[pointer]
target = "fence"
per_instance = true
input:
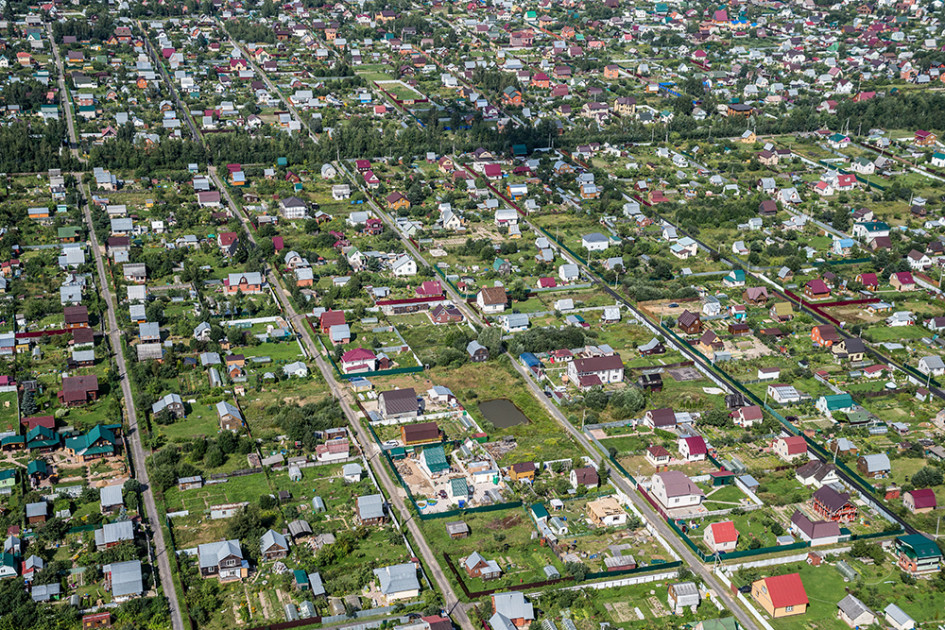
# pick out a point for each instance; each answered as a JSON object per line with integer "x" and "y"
{"x": 482, "y": 509}
{"x": 515, "y": 587}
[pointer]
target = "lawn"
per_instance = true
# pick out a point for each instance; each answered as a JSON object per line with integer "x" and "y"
{"x": 234, "y": 490}
{"x": 504, "y": 536}
{"x": 877, "y": 587}
{"x": 541, "y": 439}
{"x": 9, "y": 416}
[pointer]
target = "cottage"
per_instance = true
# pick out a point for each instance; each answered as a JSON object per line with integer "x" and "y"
{"x": 673, "y": 489}
{"x": 781, "y": 596}
{"x": 721, "y": 537}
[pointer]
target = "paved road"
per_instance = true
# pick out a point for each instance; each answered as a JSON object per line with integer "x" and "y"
{"x": 66, "y": 103}
{"x": 134, "y": 435}
{"x": 452, "y": 603}
{"x": 694, "y": 563}
{"x": 470, "y": 313}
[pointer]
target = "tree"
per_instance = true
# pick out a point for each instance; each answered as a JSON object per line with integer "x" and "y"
{"x": 927, "y": 477}
{"x": 214, "y": 457}
{"x": 577, "y": 570}
{"x": 28, "y": 404}
{"x": 491, "y": 339}
{"x": 715, "y": 418}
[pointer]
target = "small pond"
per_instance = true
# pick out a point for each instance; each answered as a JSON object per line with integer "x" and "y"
{"x": 502, "y": 413}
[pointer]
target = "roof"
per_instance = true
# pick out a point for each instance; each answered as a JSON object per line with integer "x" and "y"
{"x": 370, "y": 506}
{"x": 422, "y": 432}
{"x": 110, "y": 495}
{"x": 831, "y": 499}
{"x": 923, "y": 498}
{"x": 724, "y": 532}
{"x": 210, "y": 554}
{"x": 112, "y": 533}
{"x": 786, "y": 590}
{"x": 852, "y": 607}
{"x": 492, "y": 296}
{"x": 677, "y": 484}
{"x": 397, "y": 578}
{"x": 513, "y": 606}
{"x": 696, "y": 445}
{"x": 272, "y": 539}
{"x": 126, "y": 577}
{"x": 876, "y": 463}
{"x": 398, "y": 401}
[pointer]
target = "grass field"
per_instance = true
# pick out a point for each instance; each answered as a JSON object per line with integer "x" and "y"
{"x": 9, "y": 417}
{"x": 877, "y": 587}
{"x": 541, "y": 439}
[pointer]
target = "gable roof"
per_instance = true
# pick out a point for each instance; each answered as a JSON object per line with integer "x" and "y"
{"x": 786, "y": 590}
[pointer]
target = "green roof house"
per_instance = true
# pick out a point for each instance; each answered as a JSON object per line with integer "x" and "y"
{"x": 100, "y": 441}
{"x": 8, "y": 478}
{"x": 918, "y": 555}
{"x": 433, "y": 461}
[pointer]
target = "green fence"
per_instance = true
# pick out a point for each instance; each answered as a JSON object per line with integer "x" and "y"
{"x": 79, "y": 529}
{"x": 831, "y": 263}
{"x": 438, "y": 515}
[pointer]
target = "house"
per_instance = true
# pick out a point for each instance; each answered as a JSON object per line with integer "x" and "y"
{"x": 595, "y": 242}
{"x": 852, "y": 349}
{"x": 522, "y": 471}
{"x": 477, "y": 352}
{"x": 902, "y": 281}
{"x": 398, "y": 405}
{"x": 854, "y": 613}
{"x": 932, "y": 365}
{"x": 690, "y": 323}
{"x": 222, "y": 559}
{"x": 673, "y": 489}
{"x": 371, "y": 510}
{"x": 918, "y": 555}
{"x": 824, "y": 335}
{"x": 273, "y": 546}
{"x": 398, "y": 582}
{"x": 816, "y": 473}
{"x": 110, "y": 499}
{"x": 657, "y": 455}
{"x": 247, "y": 282}
{"x": 492, "y": 300}
{"x": 598, "y": 370}
{"x": 790, "y": 448}
{"x": 874, "y": 466}
{"x": 100, "y": 441}
{"x": 781, "y": 595}
{"x": 831, "y": 403}
{"x": 293, "y": 208}
{"x": 721, "y": 537}
{"x": 510, "y": 611}
{"x": 897, "y": 618}
{"x": 747, "y": 416}
{"x": 37, "y": 512}
{"x": 477, "y": 566}
{"x": 123, "y": 579}
{"x": 832, "y": 505}
{"x": 681, "y": 596}
{"x": 662, "y": 418}
{"x": 229, "y": 416}
{"x": 815, "y": 532}
{"x": 585, "y": 476}
{"x": 920, "y": 501}
{"x": 606, "y": 512}
{"x": 816, "y": 289}
{"x": 692, "y": 449}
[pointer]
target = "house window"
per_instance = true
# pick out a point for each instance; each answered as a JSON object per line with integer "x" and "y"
{"x": 789, "y": 609}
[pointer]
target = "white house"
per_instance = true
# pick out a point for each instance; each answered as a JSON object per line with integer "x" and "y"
{"x": 404, "y": 266}
{"x": 595, "y": 242}
{"x": 721, "y": 537}
{"x": 673, "y": 489}
{"x": 596, "y": 370}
